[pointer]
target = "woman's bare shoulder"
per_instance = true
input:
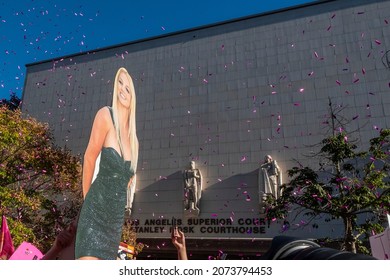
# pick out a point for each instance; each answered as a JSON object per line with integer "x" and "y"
{"x": 103, "y": 113}
{"x": 103, "y": 118}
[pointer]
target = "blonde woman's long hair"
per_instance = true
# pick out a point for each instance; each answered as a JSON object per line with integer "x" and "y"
{"x": 132, "y": 125}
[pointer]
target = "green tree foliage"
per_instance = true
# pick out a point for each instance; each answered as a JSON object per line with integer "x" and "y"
{"x": 348, "y": 185}
{"x": 39, "y": 182}
{"x": 12, "y": 103}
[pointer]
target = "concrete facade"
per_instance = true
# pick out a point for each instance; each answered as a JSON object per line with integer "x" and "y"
{"x": 225, "y": 96}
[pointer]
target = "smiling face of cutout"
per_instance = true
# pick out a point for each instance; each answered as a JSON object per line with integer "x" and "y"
{"x": 124, "y": 94}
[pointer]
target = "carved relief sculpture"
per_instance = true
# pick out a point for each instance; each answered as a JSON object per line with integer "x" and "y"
{"x": 270, "y": 180}
{"x": 192, "y": 189}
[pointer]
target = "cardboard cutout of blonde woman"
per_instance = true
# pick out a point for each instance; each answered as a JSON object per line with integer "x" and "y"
{"x": 270, "y": 180}
{"x": 192, "y": 190}
{"x": 114, "y": 140}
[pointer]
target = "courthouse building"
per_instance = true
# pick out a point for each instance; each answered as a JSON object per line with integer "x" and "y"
{"x": 224, "y": 96}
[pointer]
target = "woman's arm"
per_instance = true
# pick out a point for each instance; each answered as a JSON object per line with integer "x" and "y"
{"x": 62, "y": 241}
{"x": 99, "y": 131}
{"x": 179, "y": 241}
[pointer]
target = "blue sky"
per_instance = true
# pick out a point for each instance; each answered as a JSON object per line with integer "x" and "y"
{"x": 36, "y": 30}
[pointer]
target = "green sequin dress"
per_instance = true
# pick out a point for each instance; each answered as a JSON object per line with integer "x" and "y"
{"x": 101, "y": 219}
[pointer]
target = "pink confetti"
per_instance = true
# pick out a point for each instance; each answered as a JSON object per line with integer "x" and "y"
{"x": 363, "y": 71}
{"x": 297, "y": 104}
{"x": 346, "y": 60}
{"x": 311, "y": 73}
{"x": 205, "y": 81}
{"x": 338, "y": 82}
{"x": 316, "y": 54}
{"x": 386, "y": 21}
{"x": 355, "y": 117}
{"x": 355, "y": 81}
{"x": 333, "y": 16}
{"x": 243, "y": 158}
{"x": 301, "y": 90}
{"x": 223, "y": 47}
{"x": 378, "y": 42}
{"x": 330, "y": 26}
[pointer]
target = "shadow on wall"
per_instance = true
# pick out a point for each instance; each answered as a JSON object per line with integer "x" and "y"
{"x": 161, "y": 198}
{"x": 164, "y": 198}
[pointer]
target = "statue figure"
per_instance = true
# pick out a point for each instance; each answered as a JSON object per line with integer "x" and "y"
{"x": 192, "y": 188}
{"x": 270, "y": 180}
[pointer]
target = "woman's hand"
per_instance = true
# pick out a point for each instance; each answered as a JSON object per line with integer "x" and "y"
{"x": 179, "y": 241}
